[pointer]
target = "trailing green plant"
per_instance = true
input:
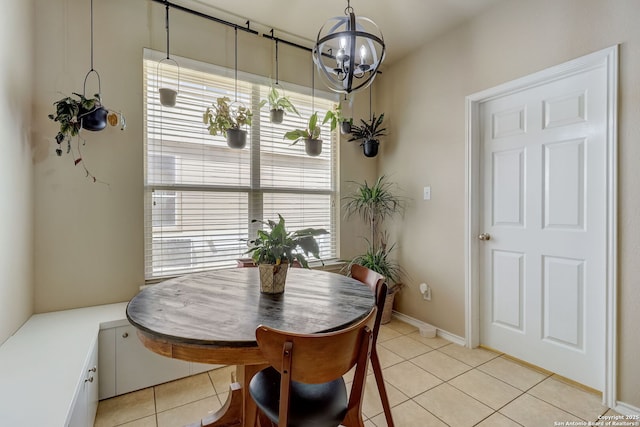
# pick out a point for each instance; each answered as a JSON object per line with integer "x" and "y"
{"x": 370, "y": 130}
{"x": 335, "y": 117}
{"x": 68, "y": 111}
{"x": 222, "y": 116}
{"x": 311, "y": 132}
{"x": 276, "y": 245}
{"x": 277, "y": 102}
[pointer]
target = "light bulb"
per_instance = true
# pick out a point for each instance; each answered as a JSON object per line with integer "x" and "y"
{"x": 363, "y": 54}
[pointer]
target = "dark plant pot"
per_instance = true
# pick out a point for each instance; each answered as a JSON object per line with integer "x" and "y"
{"x": 276, "y": 116}
{"x": 236, "y": 138}
{"x": 313, "y": 147}
{"x": 370, "y": 147}
{"x": 345, "y": 128}
{"x": 95, "y": 119}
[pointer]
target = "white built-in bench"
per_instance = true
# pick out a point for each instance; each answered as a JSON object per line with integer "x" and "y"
{"x": 44, "y": 365}
{"x": 57, "y": 365}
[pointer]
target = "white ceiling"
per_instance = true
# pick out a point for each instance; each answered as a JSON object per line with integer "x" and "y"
{"x": 405, "y": 24}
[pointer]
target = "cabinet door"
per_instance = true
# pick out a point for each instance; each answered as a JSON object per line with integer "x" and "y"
{"x": 107, "y": 362}
{"x": 79, "y": 413}
{"x": 92, "y": 386}
{"x": 86, "y": 404}
{"x": 137, "y": 367}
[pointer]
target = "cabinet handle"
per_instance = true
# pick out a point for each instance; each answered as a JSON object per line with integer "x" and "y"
{"x": 90, "y": 379}
{"x": 125, "y": 335}
{"x": 93, "y": 369}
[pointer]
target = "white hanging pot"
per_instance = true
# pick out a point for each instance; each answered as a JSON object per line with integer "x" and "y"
{"x": 168, "y": 95}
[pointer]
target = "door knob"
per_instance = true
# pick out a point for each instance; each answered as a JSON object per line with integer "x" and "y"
{"x": 484, "y": 236}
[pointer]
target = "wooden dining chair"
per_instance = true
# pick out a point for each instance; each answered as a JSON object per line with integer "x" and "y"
{"x": 304, "y": 386}
{"x": 375, "y": 282}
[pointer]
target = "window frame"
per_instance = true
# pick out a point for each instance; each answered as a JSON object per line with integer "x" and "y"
{"x": 255, "y": 191}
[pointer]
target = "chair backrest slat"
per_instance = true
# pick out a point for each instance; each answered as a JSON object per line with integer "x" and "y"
{"x": 375, "y": 282}
{"x": 317, "y": 358}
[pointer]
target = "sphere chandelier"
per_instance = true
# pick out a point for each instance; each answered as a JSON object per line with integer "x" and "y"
{"x": 348, "y": 52}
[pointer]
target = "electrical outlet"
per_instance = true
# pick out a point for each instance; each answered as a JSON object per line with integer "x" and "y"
{"x": 425, "y": 290}
{"x": 426, "y": 193}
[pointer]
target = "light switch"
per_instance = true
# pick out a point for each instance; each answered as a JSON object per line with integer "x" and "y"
{"x": 427, "y": 193}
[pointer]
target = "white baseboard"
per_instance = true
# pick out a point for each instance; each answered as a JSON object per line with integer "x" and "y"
{"x": 626, "y": 409}
{"x": 425, "y": 326}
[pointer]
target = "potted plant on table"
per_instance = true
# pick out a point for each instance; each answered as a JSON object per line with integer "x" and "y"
{"x": 278, "y": 105}
{"x": 310, "y": 136}
{"x": 229, "y": 119}
{"x": 369, "y": 132}
{"x": 374, "y": 204}
{"x": 275, "y": 249}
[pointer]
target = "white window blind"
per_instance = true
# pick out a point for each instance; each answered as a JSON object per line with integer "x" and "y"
{"x": 200, "y": 195}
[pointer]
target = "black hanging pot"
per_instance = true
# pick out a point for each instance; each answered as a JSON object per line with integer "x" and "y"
{"x": 277, "y": 116}
{"x": 370, "y": 147}
{"x": 236, "y": 138}
{"x": 345, "y": 128}
{"x": 96, "y": 118}
{"x": 313, "y": 146}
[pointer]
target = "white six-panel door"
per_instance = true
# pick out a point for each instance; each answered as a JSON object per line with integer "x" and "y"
{"x": 542, "y": 256}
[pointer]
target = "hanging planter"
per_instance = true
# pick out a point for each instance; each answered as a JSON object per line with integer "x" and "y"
{"x": 278, "y": 105}
{"x": 310, "y": 136}
{"x": 236, "y": 138}
{"x": 313, "y": 146}
{"x": 369, "y": 133}
{"x": 335, "y": 117}
{"x": 92, "y": 115}
{"x": 345, "y": 127}
{"x": 168, "y": 95}
{"x": 370, "y": 147}
{"x": 228, "y": 119}
{"x": 77, "y": 112}
{"x": 276, "y": 116}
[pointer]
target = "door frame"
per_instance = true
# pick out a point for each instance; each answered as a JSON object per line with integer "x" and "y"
{"x": 607, "y": 58}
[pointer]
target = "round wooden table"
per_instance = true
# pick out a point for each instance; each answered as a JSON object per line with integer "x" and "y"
{"x": 211, "y": 317}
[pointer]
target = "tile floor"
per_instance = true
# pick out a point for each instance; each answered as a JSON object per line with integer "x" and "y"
{"x": 430, "y": 382}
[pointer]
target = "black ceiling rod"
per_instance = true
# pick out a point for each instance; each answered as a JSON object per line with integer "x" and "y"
{"x": 278, "y": 39}
{"x": 209, "y": 17}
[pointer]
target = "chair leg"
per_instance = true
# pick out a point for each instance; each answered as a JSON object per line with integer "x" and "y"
{"x": 382, "y": 390}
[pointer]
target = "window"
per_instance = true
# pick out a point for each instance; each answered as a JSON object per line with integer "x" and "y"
{"x": 201, "y": 196}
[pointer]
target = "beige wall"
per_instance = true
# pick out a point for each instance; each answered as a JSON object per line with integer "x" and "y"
{"x": 424, "y": 96}
{"x": 16, "y": 171}
{"x": 89, "y": 237}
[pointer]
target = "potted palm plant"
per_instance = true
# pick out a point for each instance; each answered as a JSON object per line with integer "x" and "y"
{"x": 369, "y": 132}
{"x": 228, "y": 119}
{"x": 275, "y": 249}
{"x": 278, "y": 104}
{"x": 310, "y": 136}
{"x": 374, "y": 204}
